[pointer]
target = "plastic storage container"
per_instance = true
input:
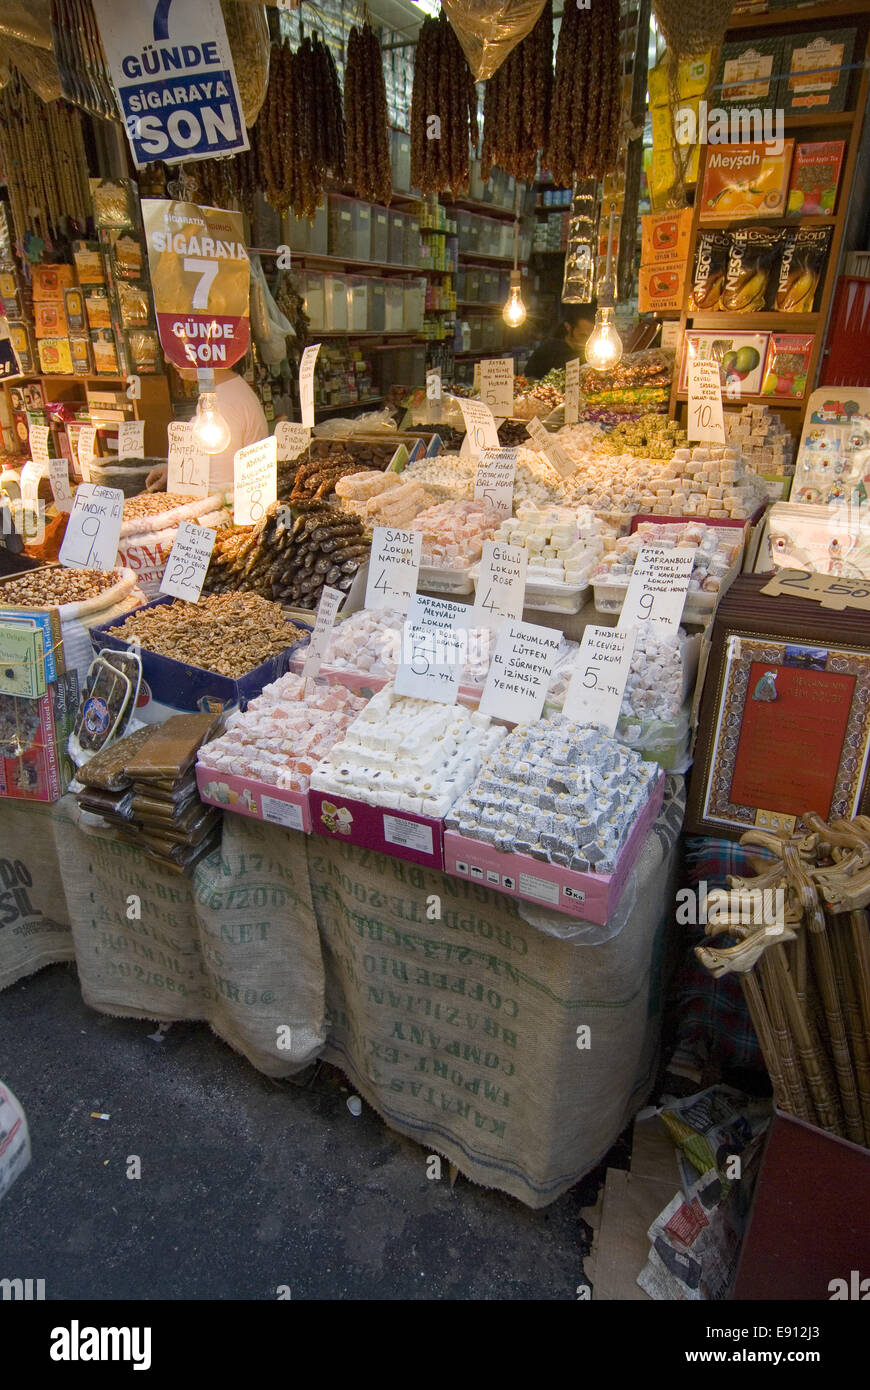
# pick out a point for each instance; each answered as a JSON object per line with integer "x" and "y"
{"x": 394, "y": 306}
{"x": 400, "y": 158}
{"x": 397, "y": 238}
{"x": 335, "y": 302}
{"x": 358, "y": 303}
{"x": 380, "y": 238}
{"x": 350, "y": 228}
{"x": 302, "y": 235}
{"x": 411, "y": 242}
{"x": 415, "y": 305}
{"x": 377, "y": 306}
{"x": 314, "y": 300}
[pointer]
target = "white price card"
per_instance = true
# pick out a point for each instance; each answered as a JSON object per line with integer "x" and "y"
{"x": 658, "y": 586}
{"x": 495, "y": 477}
{"x": 39, "y": 435}
{"x": 572, "y": 391}
{"x": 58, "y": 477}
{"x": 255, "y": 480}
{"x": 292, "y": 439}
{"x": 306, "y": 384}
{"x": 131, "y": 439}
{"x": 393, "y": 568}
{"x": 600, "y": 672}
{"x": 501, "y": 585}
{"x": 327, "y": 608}
{"x": 497, "y": 385}
{"x": 434, "y": 650}
{"x": 188, "y": 561}
{"x": 521, "y": 670}
{"x": 481, "y": 432}
{"x": 433, "y": 386}
{"x": 705, "y": 402}
{"x": 93, "y": 529}
{"x": 189, "y": 468}
{"x": 548, "y": 444}
{"x": 85, "y": 449}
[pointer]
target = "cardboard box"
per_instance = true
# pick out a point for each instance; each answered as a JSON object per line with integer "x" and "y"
{"x": 592, "y": 897}
{"x": 665, "y": 238}
{"x": 748, "y": 73}
{"x": 717, "y": 345}
{"x": 824, "y": 57}
{"x": 815, "y": 177}
{"x": 745, "y": 181}
{"x": 259, "y": 800}
{"x": 187, "y": 689}
{"x": 42, "y": 770}
{"x": 660, "y": 287}
{"x": 382, "y": 828}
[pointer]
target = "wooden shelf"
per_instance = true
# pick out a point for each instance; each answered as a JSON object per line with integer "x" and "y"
{"x": 780, "y": 402}
{"x": 797, "y": 15}
{"x": 750, "y": 322}
{"x": 351, "y": 405}
{"x": 315, "y": 259}
{"x": 818, "y": 118}
{"x": 708, "y": 223}
{"x": 487, "y": 209}
{"x": 363, "y": 333}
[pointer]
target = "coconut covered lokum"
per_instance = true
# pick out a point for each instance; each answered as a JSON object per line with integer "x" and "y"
{"x": 563, "y": 543}
{"x": 413, "y": 755}
{"x": 559, "y": 791}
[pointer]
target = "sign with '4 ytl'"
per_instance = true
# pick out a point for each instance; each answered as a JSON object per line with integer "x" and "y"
{"x": 173, "y": 72}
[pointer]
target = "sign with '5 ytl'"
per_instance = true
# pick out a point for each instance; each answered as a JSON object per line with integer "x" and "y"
{"x": 200, "y": 275}
{"x": 173, "y": 73}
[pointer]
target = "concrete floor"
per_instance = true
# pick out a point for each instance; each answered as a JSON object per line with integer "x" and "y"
{"x": 247, "y": 1184}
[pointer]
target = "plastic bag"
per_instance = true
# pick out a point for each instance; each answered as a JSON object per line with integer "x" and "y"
{"x": 489, "y": 29}
{"x": 375, "y": 422}
{"x": 269, "y": 326}
{"x": 248, "y": 33}
{"x": 37, "y": 67}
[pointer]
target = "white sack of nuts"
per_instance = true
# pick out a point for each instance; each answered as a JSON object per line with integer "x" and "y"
{"x": 150, "y": 526}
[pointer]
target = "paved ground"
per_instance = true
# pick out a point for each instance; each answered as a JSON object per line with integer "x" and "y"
{"x": 246, "y": 1184}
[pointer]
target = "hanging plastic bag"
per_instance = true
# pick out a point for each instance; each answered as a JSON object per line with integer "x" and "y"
{"x": 489, "y": 29}
{"x": 269, "y": 326}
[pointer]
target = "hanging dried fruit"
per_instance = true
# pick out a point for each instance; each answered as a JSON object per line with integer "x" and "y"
{"x": 365, "y": 116}
{"x": 443, "y": 111}
{"x": 586, "y": 108}
{"x": 516, "y": 106}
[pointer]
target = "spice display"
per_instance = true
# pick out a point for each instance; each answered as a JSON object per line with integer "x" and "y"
{"x": 290, "y": 558}
{"x": 49, "y": 588}
{"x": 558, "y": 551}
{"x": 229, "y": 634}
{"x": 411, "y": 754}
{"x": 283, "y": 733}
{"x": 587, "y": 94}
{"x": 454, "y": 532}
{"x": 443, "y": 90}
{"x": 369, "y": 172}
{"x": 561, "y": 792}
{"x": 516, "y": 106}
{"x": 43, "y": 157}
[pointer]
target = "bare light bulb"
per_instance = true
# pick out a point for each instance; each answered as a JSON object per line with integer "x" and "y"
{"x": 604, "y": 345}
{"x": 210, "y": 432}
{"x": 514, "y": 311}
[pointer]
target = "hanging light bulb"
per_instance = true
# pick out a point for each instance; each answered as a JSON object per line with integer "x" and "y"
{"x": 210, "y": 432}
{"x": 604, "y": 345}
{"x": 514, "y": 311}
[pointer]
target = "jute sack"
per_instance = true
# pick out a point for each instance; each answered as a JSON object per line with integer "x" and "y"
{"x": 462, "y": 1031}
{"x": 34, "y": 922}
{"x": 237, "y": 945}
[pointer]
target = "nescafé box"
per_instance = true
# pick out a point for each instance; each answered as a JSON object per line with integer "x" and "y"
{"x": 383, "y": 828}
{"x": 183, "y": 689}
{"x": 592, "y": 897}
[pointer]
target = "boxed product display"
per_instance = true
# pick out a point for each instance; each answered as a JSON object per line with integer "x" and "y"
{"x": 815, "y": 177}
{"x": 34, "y": 764}
{"x": 815, "y": 71}
{"x": 787, "y": 365}
{"x": 396, "y": 773}
{"x": 557, "y": 815}
{"x": 743, "y": 181}
{"x": 261, "y": 766}
{"x": 741, "y": 358}
{"x": 833, "y": 462}
{"x": 749, "y": 73}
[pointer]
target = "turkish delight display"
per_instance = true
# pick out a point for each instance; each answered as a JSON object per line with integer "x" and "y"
{"x": 454, "y": 532}
{"x": 370, "y": 644}
{"x": 446, "y": 477}
{"x": 562, "y": 792}
{"x": 283, "y": 733}
{"x": 412, "y": 755}
{"x": 717, "y": 554}
{"x": 563, "y": 543}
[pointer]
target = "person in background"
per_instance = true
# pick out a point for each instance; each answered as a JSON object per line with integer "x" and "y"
{"x": 241, "y": 409}
{"x": 567, "y": 341}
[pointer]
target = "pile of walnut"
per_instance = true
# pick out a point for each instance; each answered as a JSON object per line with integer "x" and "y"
{"x": 290, "y": 554}
{"x": 230, "y": 635}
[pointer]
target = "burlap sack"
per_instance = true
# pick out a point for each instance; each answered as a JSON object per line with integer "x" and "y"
{"x": 34, "y": 922}
{"x": 462, "y": 1031}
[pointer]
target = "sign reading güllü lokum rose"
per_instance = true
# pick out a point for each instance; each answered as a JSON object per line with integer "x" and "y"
{"x": 200, "y": 275}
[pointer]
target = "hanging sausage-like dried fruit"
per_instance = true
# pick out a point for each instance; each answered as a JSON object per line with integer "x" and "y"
{"x": 516, "y": 106}
{"x": 443, "y": 111}
{"x": 365, "y": 117}
{"x": 585, "y": 114}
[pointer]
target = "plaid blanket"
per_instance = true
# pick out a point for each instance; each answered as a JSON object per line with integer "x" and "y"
{"x": 713, "y": 1020}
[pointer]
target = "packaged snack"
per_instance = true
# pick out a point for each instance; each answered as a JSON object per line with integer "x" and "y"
{"x": 815, "y": 176}
{"x": 74, "y": 307}
{"x": 745, "y": 181}
{"x": 753, "y": 263}
{"x": 55, "y": 358}
{"x": 748, "y": 72}
{"x": 114, "y": 203}
{"x": 104, "y": 352}
{"x": 815, "y": 71}
{"x": 127, "y": 255}
{"x": 788, "y": 359}
{"x": 711, "y": 264}
{"x": 89, "y": 263}
{"x": 50, "y": 281}
{"x": 143, "y": 349}
{"x": 802, "y": 269}
{"x": 97, "y": 306}
{"x": 80, "y": 351}
{"x": 134, "y": 304}
{"x": 23, "y": 344}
